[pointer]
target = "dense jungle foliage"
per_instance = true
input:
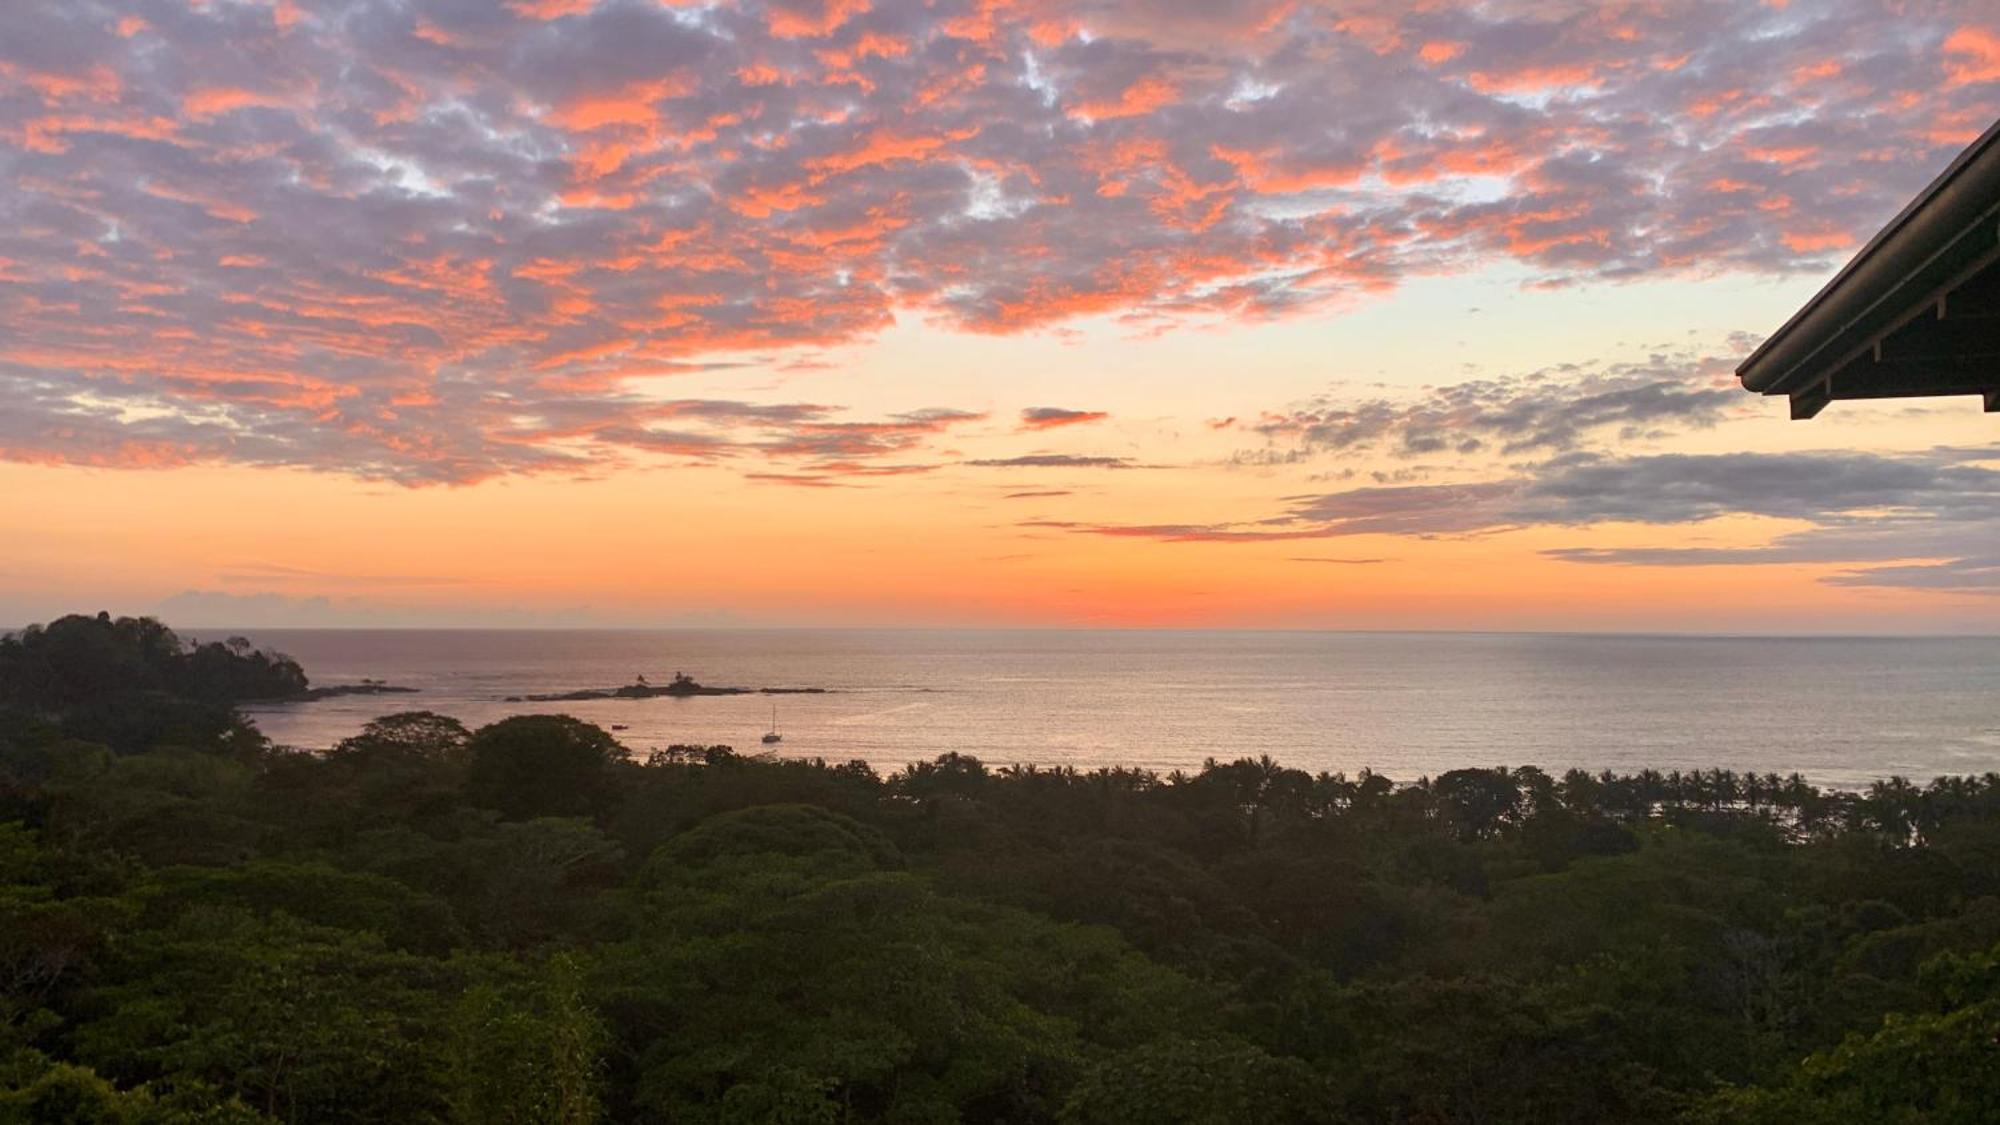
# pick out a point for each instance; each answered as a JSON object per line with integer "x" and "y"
{"x": 523, "y": 923}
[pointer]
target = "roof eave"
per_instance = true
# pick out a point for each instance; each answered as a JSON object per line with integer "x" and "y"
{"x": 1891, "y": 267}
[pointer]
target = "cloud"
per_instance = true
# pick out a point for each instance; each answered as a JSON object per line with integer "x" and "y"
{"x": 1959, "y": 571}
{"x": 840, "y": 443}
{"x": 1972, "y": 55}
{"x": 1978, "y": 575}
{"x": 270, "y": 573}
{"x": 219, "y": 609}
{"x": 798, "y": 480}
{"x": 1051, "y": 417}
{"x": 1054, "y": 461}
{"x": 1941, "y": 507}
{"x": 216, "y": 608}
{"x": 1553, "y": 410}
{"x": 1937, "y": 512}
{"x": 454, "y": 432}
{"x": 1684, "y": 488}
{"x": 1195, "y": 533}
{"x": 361, "y": 241}
{"x": 1417, "y": 509}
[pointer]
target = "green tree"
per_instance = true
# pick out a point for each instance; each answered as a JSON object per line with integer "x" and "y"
{"x": 776, "y": 970}
{"x": 1937, "y": 1067}
{"x": 37, "y": 1091}
{"x": 541, "y": 765}
{"x": 1212, "y": 1081}
{"x": 525, "y": 1048}
{"x": 303, "y": 1022}
{"x": 421, "y": 735}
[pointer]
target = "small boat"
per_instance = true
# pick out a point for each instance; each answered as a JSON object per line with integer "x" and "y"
{"x": 773, "y": 736}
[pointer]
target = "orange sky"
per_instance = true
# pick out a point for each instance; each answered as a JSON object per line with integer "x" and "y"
{"x": 998, "y": 312}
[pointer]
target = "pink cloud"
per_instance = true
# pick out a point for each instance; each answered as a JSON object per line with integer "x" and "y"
{"x": 557, "y": 200}
{"x": 795, "y": 19}
{"x": 1972, "y": 54}
{"x": 212, "y": 101}
{"x": 1143, "y": 96}
{"x": 550, "y": 9}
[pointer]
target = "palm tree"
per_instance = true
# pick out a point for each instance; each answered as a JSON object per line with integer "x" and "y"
{"x": 1651, "y": 788}
{"x": 1891, "y": 806}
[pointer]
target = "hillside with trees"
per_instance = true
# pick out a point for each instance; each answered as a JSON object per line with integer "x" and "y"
{"x": 527, "y": 923}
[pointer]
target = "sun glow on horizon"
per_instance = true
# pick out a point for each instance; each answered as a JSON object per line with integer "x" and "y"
{"x": 977, "y": 312}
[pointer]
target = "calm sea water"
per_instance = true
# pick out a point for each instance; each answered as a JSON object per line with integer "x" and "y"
{"x": 1841, "y": 711}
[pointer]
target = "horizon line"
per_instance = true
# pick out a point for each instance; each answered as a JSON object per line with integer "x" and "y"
{"x": 1634, "y": 634}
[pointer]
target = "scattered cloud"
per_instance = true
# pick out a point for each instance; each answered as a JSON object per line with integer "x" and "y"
{"x": 1977, "y": 575}
{"x": 1935, "y": 513}
{"x": 1553, "y": 410}
{"x": 1055, "y": 461}
{"x": 203, "y": 610}
{"x": 1835, "y": 488}
{"x": 798, "y": 480}
{"x": 216, "y": 608}
{"x": 271, "y": 574}
{"x": 1051, "y": 417}
{"x": 426, "y": 241}
{"x": 456, "y": 432}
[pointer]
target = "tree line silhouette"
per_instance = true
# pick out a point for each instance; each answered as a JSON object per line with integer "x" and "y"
{"x": 528, "y": 922}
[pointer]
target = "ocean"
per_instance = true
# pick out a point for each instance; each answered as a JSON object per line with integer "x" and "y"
{"x": 1841, "y": 711}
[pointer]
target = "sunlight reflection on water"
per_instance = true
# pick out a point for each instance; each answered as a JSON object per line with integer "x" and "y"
{"x": 1842, "y": 710}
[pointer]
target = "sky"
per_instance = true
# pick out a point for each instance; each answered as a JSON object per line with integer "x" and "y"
{"x": 1395, "y": 314}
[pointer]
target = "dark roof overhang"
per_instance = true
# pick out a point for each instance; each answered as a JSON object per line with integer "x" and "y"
{"x": 1917, "y": 312}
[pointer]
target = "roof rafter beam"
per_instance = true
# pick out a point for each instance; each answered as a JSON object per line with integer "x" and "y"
{"x": 1913, "y": 313}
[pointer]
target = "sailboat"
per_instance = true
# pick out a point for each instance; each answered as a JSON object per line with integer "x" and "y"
{"x": 773, "y": 736}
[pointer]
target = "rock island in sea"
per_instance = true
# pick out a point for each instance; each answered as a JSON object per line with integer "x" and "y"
{"x": 681, "y": 685}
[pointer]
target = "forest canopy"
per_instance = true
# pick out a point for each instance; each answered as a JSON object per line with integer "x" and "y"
{"x": 131, "y": 682}
{"x": 528, "y": 922}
